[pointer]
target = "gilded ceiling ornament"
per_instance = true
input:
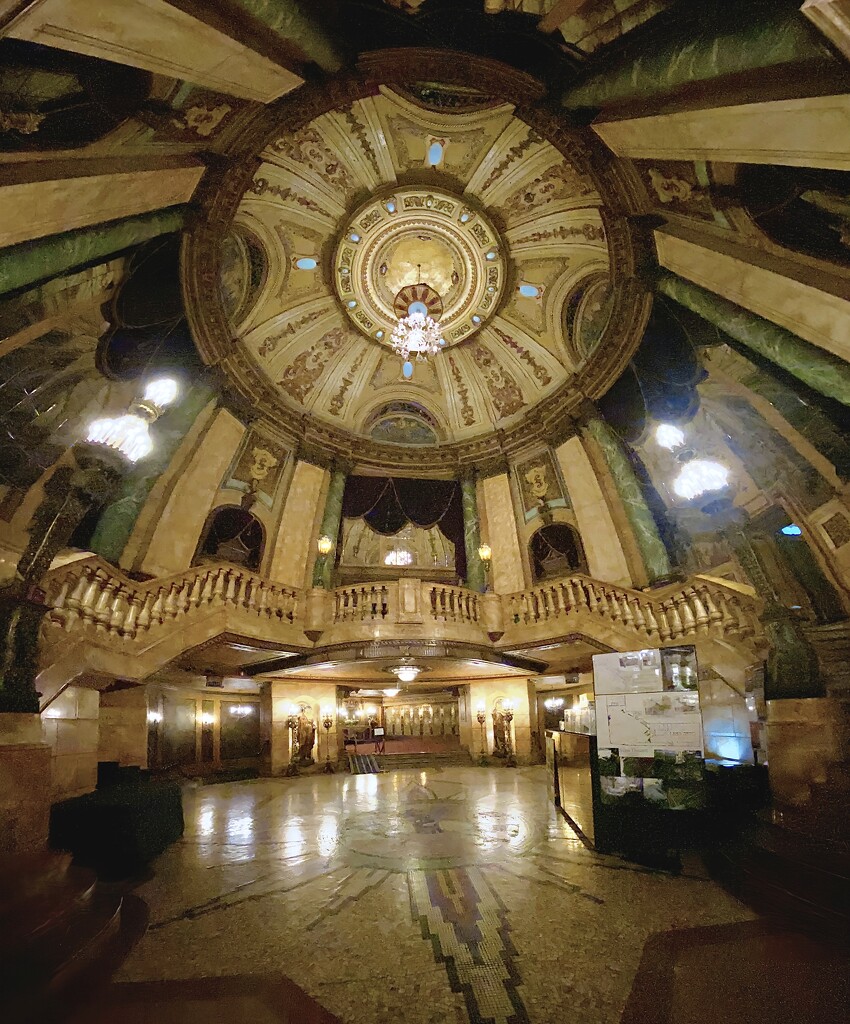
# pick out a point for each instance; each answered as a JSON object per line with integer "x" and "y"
{"x": 202, "y": 120}
{"x": 23, "y": 122}
{"x": 262, "y": 462}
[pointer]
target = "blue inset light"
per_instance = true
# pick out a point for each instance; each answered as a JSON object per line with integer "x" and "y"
{"x": 529, "y": 291}
{"x": 306, "y": 263}
{"x": 792, "y": 530}
{"x": 417, "y": 307}
{"x": 390, "y": 207}
{"x": 354, "y": 237}
{"x": 407, "y": 369}
{"x": 435, "y": 153}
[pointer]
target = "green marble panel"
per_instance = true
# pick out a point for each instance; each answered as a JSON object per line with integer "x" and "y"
{"x": 651, "y": 547}
{"x": 289, "y": 21}
{"x": 701, "y": 49}
{"x": 821, "y": 370}
{"x": 323, "y": 566}
{"x": 44, "y": 258}
{"x": 475, "y": 575}
{"x": 119, "y": 517}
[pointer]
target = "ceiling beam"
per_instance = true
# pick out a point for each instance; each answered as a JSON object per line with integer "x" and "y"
{"x": 562, "y": 10}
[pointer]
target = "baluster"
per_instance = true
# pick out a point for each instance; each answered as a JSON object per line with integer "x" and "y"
{"x": 58, "y": 612}
{"x": 574, "y": 595}
{"x": 652, "y": 625}
{"x": 626, "y": 612}
{"x": 700, "y": 611}
{"x": 219, "y": 586}
{"x": 135, "y": 604}
{"x": 103, "y": 609}
{"x": 638, "y": 619}
{"x": 184, "y": 593}
{"x": 120, "y": 611}
{"x": 683, "y": 606}
{"x": 91, "y": 595}
{"x": 524, "y": 607}
{"x": 744, "y": 625}
{"x": 262, "y": 600}
{"x": 613, "y": 605}
{"x": 196, "y": 590}
{"x": 385, "y": 601}
{"x": 677, "y": 628}
{"x": 663, "y": 623}
{"x": 560, "y": 592}
{"x": 230, "y": 592}
{"x": 729, "y": 622}
{"x": 169, "y": 608}
{"x": 207, "y": 588}
{"x": 373, "y": 602}
{"x": 714, "y": 613}
{"x": 75, "y": 600}
{"x": 592, "y": 600}
{"x": 157, "y": 608}
{"x": 144, "y": 621}
{"x": 548, "y": 603}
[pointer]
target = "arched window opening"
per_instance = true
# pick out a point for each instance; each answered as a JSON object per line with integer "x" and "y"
{"x": 556, "y": 550}
{"x": 234, "y": 535}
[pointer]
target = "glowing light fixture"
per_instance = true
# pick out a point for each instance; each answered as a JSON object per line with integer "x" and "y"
{"x": 306, "y": 263}
{"x": 207, "y": 718}
{"x": 792, "y": 530}
{"x": 529, "y": 291}
{"x": 485, "y": 552}
{"x": 417, "y": 334}
{"x": 398, "y": 556}
{"x": 154, "y": 717}
{"x": 129, "y": 435}
{"x": 241, "y": 710}
{"x": 700, "y": 476}
{"x": 325, "y": 546}
{"x": 406, "y": 673}
{"x": 435, "y": 154}
{"x": 668, "y": 436}
{"x": 553, "y": 703}
{"x": 392, "y": 691}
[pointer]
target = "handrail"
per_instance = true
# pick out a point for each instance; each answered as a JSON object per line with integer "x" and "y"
{"x": 94, "y": 593}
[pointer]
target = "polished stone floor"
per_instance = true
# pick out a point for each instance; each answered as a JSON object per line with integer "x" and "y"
{"x": 455, "y": 895}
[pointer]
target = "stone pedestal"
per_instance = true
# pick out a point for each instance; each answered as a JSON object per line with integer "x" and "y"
{"x": 318, "y": 612}
{"x": 802, "y": 742}
{"x": 24, "y": 784}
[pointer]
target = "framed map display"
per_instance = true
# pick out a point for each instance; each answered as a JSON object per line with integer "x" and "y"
{"x": 650, "y": 746}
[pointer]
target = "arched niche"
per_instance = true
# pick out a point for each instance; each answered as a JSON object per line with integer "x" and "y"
{"x": 554, "y": 551}
{"x": 232, "y": 534}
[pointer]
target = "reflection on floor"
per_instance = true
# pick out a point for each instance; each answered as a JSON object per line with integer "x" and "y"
{"x": 455, "y": 895}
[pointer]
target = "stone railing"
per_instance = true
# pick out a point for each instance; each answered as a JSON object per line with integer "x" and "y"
{"x": 675, "y": 612}
{"x": 103, "y": 621}
{"x": 92, "y": 594}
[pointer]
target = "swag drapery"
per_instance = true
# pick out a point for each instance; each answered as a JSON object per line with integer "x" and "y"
{"x": 389, "y": 503}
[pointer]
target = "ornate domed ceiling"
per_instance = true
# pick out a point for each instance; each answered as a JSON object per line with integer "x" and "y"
{"x": 294, "y": 274}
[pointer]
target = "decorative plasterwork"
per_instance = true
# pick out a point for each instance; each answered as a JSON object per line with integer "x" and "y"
{"x": 419, "y": 234}
{"x": 548, "y": 197}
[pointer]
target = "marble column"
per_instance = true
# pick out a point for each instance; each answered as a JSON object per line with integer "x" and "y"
{"x": 700, "y": 50}
{"x": 119, "y": 517}
{"x": 290, "y": 21}
{"x": 475, "y": 575}
{"x": 820, "y": 370}
{"x": 649, "y": 542}
{"x": 43, "y": 259}
{"x": 324, "y": 564}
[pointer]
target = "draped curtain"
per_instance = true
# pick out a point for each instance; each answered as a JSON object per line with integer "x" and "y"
{"x": 389, "y": 503}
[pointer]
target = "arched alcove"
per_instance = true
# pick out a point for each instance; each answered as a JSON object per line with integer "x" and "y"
{"x": 556, "y": 550}
{"x": 232, "y": 534}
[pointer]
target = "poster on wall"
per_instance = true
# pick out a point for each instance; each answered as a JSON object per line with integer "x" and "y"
{"x": 649, "y": 728}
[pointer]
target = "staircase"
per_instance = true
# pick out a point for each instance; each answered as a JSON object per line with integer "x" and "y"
{"x": 363, "y": 764}
{"x": 400, "y": 762}
{"x": 60, "y": 934}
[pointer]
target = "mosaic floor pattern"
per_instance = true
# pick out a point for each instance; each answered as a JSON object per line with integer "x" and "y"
{"x": 454, "y": 895}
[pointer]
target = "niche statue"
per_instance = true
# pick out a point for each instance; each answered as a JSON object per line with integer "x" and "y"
{"x": 500, "y": 745}
{"x": 306, "y": 737}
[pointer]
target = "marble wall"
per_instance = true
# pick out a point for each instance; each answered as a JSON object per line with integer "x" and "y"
{"x": 606, "y": 559}
{"x": 806, "y": 132}
{"x": 158, "y": 36}
{"x": 486, "y": 692}
{"x": 818, "y": 316}
{"x": 276, "y": 699}
{"x": 294, "y": 549}
{"x": 180, "y": 523}
{"x": 500, "y": 532}
{"x": 124, "y": 727}
{"x": 70, "y": 727}
{"x": 60, "y": 202}
{"x": 25, "y": 795}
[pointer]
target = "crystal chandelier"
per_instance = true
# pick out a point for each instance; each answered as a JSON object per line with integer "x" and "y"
{"x": 417, "y": 334}
{"x": 129, "y": 434}
{"x": 406, "y": 673}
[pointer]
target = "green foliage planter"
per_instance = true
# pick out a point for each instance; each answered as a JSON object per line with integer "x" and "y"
{"x": 117, "y": 831}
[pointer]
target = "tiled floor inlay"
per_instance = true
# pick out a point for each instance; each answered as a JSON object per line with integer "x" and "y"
{"x": 456, "y": 895}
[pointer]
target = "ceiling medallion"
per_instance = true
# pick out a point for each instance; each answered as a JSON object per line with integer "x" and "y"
{"x": 396, "y": 241}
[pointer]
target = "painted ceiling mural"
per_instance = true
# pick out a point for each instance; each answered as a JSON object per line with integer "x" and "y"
{"x": 351, "y": 208}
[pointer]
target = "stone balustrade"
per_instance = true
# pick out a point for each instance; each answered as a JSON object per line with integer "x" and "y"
{"x": 92, "y": 594}
{"x": 129, "y": 628}
{"x": 677, "y": 612}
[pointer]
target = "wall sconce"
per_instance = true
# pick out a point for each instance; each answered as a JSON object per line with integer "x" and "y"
{"x": 553, "y": 703}
{"x": 241, "y": 710}
{"x": 325, "y": 545}
{"x": 154, "y": 717}
{"x": 207, "y": 718}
